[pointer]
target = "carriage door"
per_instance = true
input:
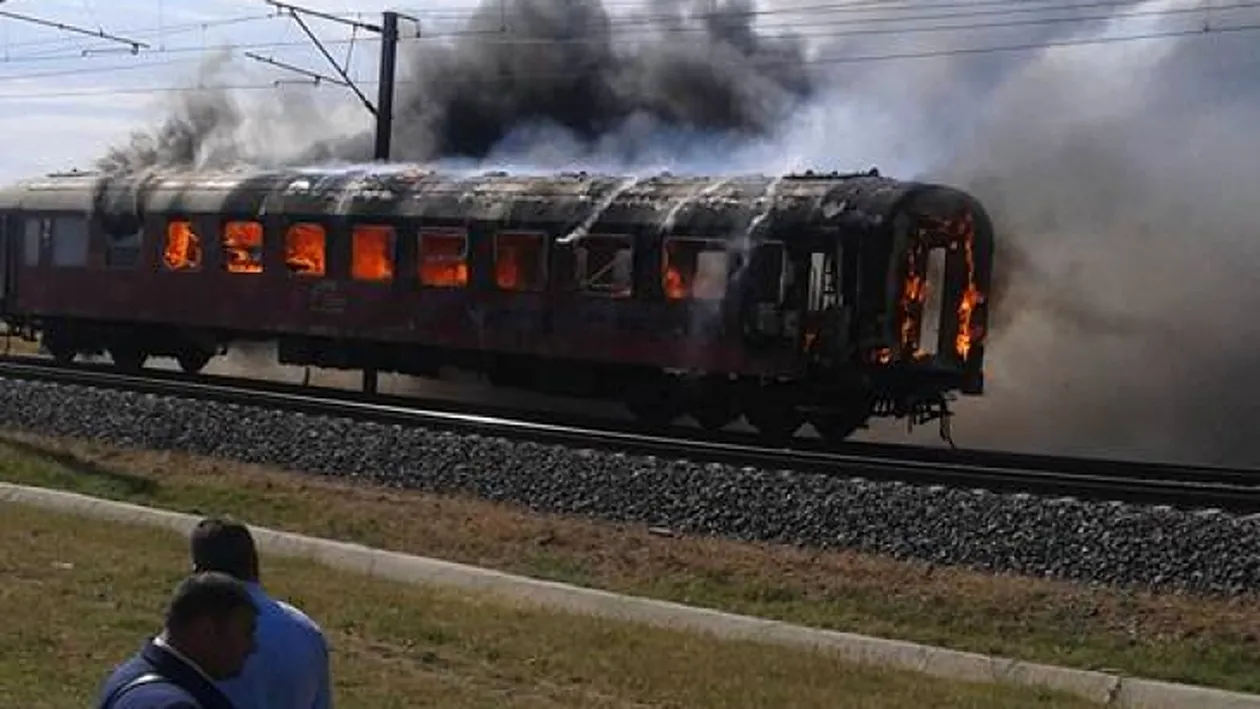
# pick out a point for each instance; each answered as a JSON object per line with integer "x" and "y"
{"x": 930, "y": 328}
{"x": 4, "y": 264}
{"x": 822, "y": 300}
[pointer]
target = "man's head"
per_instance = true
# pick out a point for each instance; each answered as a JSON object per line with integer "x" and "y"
{"x": 211, "y": 621}
{"x": 224, "y": 546}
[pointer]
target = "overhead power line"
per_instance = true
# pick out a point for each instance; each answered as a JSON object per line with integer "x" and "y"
{"x": 853, "y": 59}
{"x": 827, "y": 28}
{"x": 136, "y": 45}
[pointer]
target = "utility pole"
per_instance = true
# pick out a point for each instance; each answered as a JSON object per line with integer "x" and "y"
{"x": 385, "y": 89}
{"x": 383, "y": 111}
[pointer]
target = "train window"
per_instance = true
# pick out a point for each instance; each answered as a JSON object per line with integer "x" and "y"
{"x": 182, "y": 251}
{"x": 695, "y": 268}
{"x": 605, "y": 265}
{"x": 520, "y": 261}
{"x": 768, "y": 271}
{"x": 443, "y": 260}
{"x": 243, "y": 247}
{"x": 372, "y": 258}
{"x": 32, "y": 238}
{"x": 122, "y": 245}
{"x": 304, "y": 249}
{"x": 69, "y": 241}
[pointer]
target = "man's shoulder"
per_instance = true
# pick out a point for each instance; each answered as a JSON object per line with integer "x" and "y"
{"x": 156, "y": 695}
{"x": 294, "y": 616}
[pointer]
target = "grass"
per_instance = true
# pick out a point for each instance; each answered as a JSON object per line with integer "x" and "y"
{"x": 1167, "y": 636}
{"x": 88, "y": 593}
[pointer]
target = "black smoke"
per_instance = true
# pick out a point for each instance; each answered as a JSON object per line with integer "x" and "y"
{"x": 523, "y": 73}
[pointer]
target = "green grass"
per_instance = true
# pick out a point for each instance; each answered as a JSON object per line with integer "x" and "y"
{"x": 88, "y": 593}
{"x": 1165, "y": 636}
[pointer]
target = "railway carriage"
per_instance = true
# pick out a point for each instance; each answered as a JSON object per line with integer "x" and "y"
{"x": 800, "y": 298}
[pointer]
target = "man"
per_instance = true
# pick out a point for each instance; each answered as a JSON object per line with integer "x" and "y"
{"x": 208, "y": 634}
{"x": 289, "y": 670}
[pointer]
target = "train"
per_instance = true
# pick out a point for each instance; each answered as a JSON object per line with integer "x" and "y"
{"x": 806, "y": 298}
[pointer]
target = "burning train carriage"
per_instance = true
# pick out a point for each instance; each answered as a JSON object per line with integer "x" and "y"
{"x": 827, "y": 298}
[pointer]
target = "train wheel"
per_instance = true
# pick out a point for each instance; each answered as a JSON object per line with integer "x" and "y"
{"x": 713, "y": 405}
{"x": 62, "y": 355}
{"x": 654, "y": 402}
{"x": 838, "y": 427}
{"x": 128, "y": 358}
{"x": 193, "y": 360}
{"x": 775, "y": 423}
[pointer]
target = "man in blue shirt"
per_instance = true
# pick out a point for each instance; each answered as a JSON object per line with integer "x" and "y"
{"x": 208, "y": 634}
{"x": 290, "y": 669}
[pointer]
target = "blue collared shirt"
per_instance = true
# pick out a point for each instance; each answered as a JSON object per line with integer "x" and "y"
{"x": 289, "y": 668}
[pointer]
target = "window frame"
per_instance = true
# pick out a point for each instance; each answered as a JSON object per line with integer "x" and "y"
{"x": 225, "y": 255}
{"x": 391, "y": 252}
{"x": 707, "y": 244}
{"x": 581, "y": 272}
{"x": 323, "y": 232}
{"x": 171, "y": 220}
{"x": 447, "y": 233}
{"x": 544, "y": 259}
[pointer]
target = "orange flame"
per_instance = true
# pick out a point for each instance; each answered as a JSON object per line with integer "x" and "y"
{"x": 442, "y": 260}
{"x": 971, "y": 297}
{"x": 304, "y": 249}
{"x": 513, "y": 255}
{"x": 183, "y": 247}
{"x": 914, "y": 293}
{"x": 242, "y": 247}
{"x": 674, "y": 284}
{"x": 372, "y": 260}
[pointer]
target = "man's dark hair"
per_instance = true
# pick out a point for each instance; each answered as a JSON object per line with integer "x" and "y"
{"x": 225, "y": 546}
{"x": 209, "y": 594}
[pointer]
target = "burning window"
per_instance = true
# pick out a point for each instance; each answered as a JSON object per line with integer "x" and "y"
{"x": 183, "y": 247}
{"x": 695, "y": 268}
{"x": 304, "y": 248}
{"x": 373, "y": 257}
{"x": 520, "y": 261}
{"x": 242, "y": 247}
{"x": 443, "y": 259}
{"x": 605, "y": 264}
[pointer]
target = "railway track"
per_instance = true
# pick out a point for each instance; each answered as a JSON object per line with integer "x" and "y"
{"x": 1183, "y": 486}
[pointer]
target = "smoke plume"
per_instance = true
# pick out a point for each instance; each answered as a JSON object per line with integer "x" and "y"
{"x": 1121, "y": 174}
{"x": 520, "y": 75}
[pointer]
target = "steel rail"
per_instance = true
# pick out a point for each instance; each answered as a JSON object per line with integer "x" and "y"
{"x": 1196, "y": 488}
{"x": 1134, "y": 469}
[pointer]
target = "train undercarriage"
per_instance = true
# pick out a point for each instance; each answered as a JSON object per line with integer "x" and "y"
{"x": 777, "y": 410}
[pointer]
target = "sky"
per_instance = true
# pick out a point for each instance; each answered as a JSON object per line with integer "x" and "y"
{"x": 61, "y": 131}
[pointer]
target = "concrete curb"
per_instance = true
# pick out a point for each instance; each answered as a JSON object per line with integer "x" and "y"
{"x": 1104, "y": 688}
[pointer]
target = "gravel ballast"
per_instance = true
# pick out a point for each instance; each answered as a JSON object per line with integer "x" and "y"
{"x": 1099, "y": 542}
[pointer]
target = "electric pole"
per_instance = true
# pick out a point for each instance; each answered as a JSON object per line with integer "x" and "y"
{"x": 383, "y": 111}
{"x": 385, "y": 89}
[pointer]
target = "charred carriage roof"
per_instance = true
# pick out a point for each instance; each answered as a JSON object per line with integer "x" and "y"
{"x": 717, "y": 207}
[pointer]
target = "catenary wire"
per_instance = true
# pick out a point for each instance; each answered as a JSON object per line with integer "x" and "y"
{"x": 856, "y": 59}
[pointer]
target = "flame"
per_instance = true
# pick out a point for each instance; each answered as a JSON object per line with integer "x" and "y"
{"x": 183, "y": 247}
{"x": 971, "y": 297}
{"x": 914, "y": 293}
{"x": 372, "y": 259}
{"x": 242, "y": 247}
{"x": 304, "y": 249}
{"x": 442, "y": 260}
{"x": 513, "y": 253}
{"x": 674, "y": 284}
